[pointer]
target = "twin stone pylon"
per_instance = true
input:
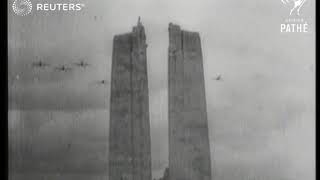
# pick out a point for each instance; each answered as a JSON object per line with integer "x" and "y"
{"x": 189, "y": 150}
{"x": 129, "y": 135}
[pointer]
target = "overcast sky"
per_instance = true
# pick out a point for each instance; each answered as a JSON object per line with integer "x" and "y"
{"x": 261, "y": 115}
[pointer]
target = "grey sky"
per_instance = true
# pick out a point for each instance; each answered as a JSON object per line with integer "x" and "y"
{"x": 261, "y": 115}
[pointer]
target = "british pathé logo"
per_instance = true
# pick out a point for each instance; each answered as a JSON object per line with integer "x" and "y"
{"x": 22, "y": 7}
{"x": 294, "y": 23}
{"x": 295, "y": 5}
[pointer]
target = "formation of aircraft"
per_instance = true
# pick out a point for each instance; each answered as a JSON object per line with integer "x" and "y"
{"x": 83, "y": 64}
{"x": 42, "y": 64}
{"x": 65, "y": 68}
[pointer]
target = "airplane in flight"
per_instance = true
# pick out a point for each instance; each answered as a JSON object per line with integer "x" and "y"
{"x": 218, "y": 78}
{"x": 40, "y": 64}
{"x": 63, "y": 68}
{"x": 102, "y": 82}
{"x": 82, "y": 64}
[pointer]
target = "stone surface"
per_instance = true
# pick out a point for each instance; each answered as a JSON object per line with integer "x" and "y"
{"x": 129, "y": 139}
{"x": 189, "y": 150}
{"x": 165, "y": 174}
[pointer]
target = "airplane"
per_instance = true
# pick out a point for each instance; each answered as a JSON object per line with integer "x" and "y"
{"x": 218, "y": 78}
{"x": 102, "y": 82}
{"x": 63, "y": 68}
{"x": 82, "y": 64}
{"x": 40, "y": 64}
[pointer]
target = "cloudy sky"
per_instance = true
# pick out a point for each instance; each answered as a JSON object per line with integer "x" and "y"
{"x": 261, "y": 115}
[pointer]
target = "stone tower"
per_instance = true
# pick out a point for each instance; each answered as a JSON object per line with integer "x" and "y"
{"x": 189, "y": 150}
{"x": 129, "y": 137}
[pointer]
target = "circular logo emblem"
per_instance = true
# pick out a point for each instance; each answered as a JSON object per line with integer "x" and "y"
{"x": 296, "y": 5}
{"x": 22, "y": 7}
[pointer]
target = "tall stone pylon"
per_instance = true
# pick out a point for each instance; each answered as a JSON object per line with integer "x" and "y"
{"x": 189, "y": 149}
{"x": 129, "y": 135}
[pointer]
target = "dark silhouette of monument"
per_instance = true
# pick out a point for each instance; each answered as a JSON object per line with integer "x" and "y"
{"x": 189, "y": 150}
{"x": 129, "y": 138}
